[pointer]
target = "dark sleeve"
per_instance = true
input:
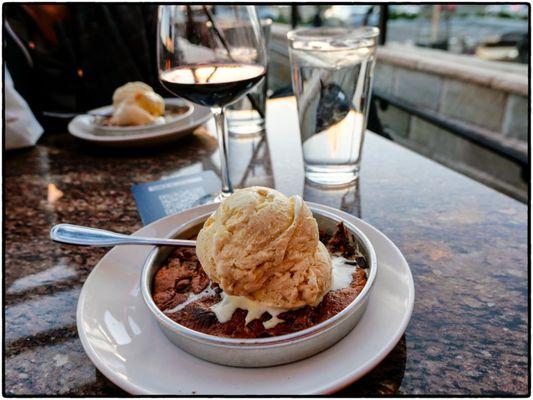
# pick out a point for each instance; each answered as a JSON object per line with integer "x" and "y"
{"x": 150, "y": 12}
{"x": 37, "y": 73}
{"x": 17, "y": 58}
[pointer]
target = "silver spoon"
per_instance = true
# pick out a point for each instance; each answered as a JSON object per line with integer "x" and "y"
{"x": 85, "y": 236}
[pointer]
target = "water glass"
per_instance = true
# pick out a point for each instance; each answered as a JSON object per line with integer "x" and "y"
{"x": 246, "y": 117}
{"x": 331, "y": 71}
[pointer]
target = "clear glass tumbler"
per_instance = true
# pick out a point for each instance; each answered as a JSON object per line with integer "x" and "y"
{"x": 246, "y": 117}
{"x": 332, "y": 72}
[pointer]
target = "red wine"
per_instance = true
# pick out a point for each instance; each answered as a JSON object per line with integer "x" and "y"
{"x": 212, "y": 85}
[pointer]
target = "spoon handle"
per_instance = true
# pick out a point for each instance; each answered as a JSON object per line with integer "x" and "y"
{"x": 85, "y": 236}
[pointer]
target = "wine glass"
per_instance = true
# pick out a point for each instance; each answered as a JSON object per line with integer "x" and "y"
{"x": 211, "y": 55}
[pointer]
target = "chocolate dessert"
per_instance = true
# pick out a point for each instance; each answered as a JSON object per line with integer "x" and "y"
{"x": 183, "y": 291}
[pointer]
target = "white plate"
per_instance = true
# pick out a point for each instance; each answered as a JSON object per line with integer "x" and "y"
{"x": 82, "y": 127}
{"x": 124, "y": 130}
{"x": 125, "y": 343}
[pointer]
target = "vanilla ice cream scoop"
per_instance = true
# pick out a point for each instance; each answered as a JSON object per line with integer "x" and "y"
{"x": 136, "y": 103}
{"x": 127, "y": 114}
{"x": 128, "y": 91}
{"x": 262, "y": 245}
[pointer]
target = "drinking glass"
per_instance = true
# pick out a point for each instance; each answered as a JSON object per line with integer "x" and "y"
{"x": 211, "y": 55}
{"x": 247, "y": 119}
{"x": 331, "y": 71}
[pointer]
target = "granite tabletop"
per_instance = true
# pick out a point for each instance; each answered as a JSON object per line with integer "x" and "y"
{"x": 467, "y": 247}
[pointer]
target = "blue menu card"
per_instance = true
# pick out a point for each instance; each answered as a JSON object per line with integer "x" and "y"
{"x": 169, "y": 196}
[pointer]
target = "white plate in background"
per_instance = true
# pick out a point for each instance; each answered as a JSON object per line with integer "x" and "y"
{"x": 83, "y": 128}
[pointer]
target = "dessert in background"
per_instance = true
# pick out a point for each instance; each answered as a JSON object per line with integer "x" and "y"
{"x": 136, "y": 103}
{"x": 260, "y": 270}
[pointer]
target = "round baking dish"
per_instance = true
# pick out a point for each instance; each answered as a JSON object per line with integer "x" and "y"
{"x": 261, "y": 352}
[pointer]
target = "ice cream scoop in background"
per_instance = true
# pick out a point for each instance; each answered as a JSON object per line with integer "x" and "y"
{"x": 264, "y": 246}
{"x": 136, "y": 103}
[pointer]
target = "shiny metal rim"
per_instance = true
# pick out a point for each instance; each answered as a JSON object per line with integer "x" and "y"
{"x": 261, "y": 343}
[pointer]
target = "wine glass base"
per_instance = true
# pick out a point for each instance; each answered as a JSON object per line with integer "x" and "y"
{"x": 222, "y": 196}
{"x": 211, "y": 198}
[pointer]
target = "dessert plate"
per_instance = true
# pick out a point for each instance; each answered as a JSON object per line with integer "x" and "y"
{"x": 83, "y": 127}
{"x": 175, "y": 109}
{"x": 125, "y": 343}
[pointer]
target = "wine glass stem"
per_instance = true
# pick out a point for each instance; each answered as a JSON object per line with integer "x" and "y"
{"x": 222, "y": 135}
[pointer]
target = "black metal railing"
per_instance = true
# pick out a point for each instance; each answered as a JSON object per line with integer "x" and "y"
{"x": 457, "y": 128}
{"x": 465, "y": 131}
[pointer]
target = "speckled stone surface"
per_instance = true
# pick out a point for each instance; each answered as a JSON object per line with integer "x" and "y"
{"x": 466, "y": 245}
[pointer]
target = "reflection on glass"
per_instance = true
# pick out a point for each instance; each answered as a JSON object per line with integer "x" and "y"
{"x": 254, "y": 169}
{"x": 247, "y": 118}
{"x": 346, "y": 199}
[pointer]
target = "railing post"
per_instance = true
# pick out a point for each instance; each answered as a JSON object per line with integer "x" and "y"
{"x": 383, "y": 17}
{"x": 294, "y": 16}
